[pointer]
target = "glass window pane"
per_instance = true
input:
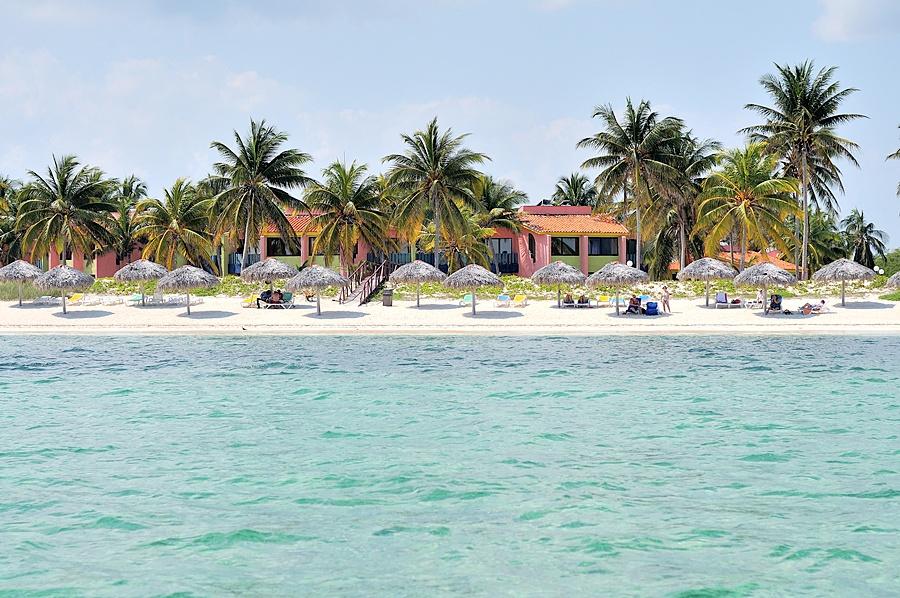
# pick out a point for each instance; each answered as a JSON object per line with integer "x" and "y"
{"x": 564, "y": 246}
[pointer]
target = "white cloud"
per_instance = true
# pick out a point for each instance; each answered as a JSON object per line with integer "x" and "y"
{"x": 849, "y": 20}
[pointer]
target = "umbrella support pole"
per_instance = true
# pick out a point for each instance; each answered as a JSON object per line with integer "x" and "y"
{"x": 189, "y": 303}
{"x": 707, "y": 292}
{"x": 617, "y": 302}
{"x": 318, "y": 304}
{"x": 20, "y": 294}
{"x": 418, "y": 292}
{"x": 843, "y": 291}
{"x": 63, "y": 296}
{"x": 558, "y": 295}
{"x": 765, "y": 300}
{"x": 473, "y": 302}
{"x": 143, "y": 297}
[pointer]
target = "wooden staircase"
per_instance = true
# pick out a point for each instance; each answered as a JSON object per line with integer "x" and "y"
{"x": 365, "y": 280}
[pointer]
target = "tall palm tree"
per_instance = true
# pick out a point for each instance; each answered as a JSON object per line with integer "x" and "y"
{"x": 347, "y": 208}
{"x": 864, "y": 238}
{"x": 124, "y": 229}
{"x": 67, "y": 209}
{"x": 574, "y": 190}
{"x": 634, "y": 156}
{"x": 745, "y": 193}
{"x": 10, "y": 233}
{"x": 801, "y": 128}
{"x": 436, "y": 175}
{"x": 499, "y": 203}
{"x": 895, "y": 156}
{"x": 826, "y": 241}
{"x": 672, "y": 211}
{"x": 176, "y": 226}
{"x": 252, "y": 184}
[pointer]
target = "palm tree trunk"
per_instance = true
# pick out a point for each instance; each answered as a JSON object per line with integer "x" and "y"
{"x": 437, "y": 231}
{"x": 682, "y": 239}
{"x": 805, "y": 251}
{"x": 637, "y": 249}
{"x": 246, "y": 253}
{"x": 743, "y": 246}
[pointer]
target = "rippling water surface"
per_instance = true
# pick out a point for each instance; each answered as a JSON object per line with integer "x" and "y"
{"x": 368, "y": 466}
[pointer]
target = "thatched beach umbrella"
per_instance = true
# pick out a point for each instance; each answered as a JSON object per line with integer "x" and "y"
{"x": 417, "y": 272}
{"x": 761, "y": 276}
{"x": 19, "y": 272}
{"x": 140, "y": 272}
{"x": 62, "y": 279}
{"x": 894, "y": 281}
{"x": 616, "y": 275}
{"x": 558, "y": 273}
{"x": 470, "y": 278}
{"x": 707, "y": 269}
{"x": 318, "y": 278}
{"x": 187, "y": 278}
{"x": 268, "y": 270}
{"x": 843, "y": 270}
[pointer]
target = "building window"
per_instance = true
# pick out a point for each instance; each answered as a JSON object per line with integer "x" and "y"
{"x": 500, "y": 246}
{"x": 564, "y": 246}
{"x": 275, "y": 246}
{"x": 312, "y": 244}
{"x": 532, "y": 247}
{"x": 603, "y": 246}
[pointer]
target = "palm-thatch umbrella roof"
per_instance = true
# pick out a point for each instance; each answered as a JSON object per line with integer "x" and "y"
{"x": 64, "y": 278}
{"x": 187, "y": 278}
{"x": 893, "y": 281}
{"x": 707, "y": 269}
{"x": 617, "y": 275}
{"x": 762, "y": 275}
{"x": 843, "y": 270}
{"x": 472, "y": 277}
{"x": 417, "y": 272}
{"x": 558, "y": 273}
{"x": 268, "y": 270}
{"x": 19, "y": 272}
{"x": 140, "y": 271}
{"x": 316, "y": 277}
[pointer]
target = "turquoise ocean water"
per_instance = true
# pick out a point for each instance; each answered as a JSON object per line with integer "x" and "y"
{"x": 394, "y": 466}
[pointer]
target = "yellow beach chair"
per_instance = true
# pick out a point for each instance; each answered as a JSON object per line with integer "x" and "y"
{"x": 76, "y": 299}
{"x": 248, "y": 302}
{"x": 520, "y": 301}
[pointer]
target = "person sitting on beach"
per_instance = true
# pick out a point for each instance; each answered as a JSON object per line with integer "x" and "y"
{"x": 264, "y": 297}
{"x": 812, "y": 308}
{"x": 567, "y": 300}
{"x": 311, "y": 297}
{"x": 277, "y": 298}
{"x": 634, "y": 305}
{"x": 775, "y": 303}
{"x": 582, "y": 300}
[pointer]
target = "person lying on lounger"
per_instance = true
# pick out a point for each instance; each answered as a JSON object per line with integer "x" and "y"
{"x": 812, "y": 308}
{"x": 582, "y": 301}
{"x": 277, "y": 298}
{"x": 567, "y": 300}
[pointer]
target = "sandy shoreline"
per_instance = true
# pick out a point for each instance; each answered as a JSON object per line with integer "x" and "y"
{"x": 225, "y": 316}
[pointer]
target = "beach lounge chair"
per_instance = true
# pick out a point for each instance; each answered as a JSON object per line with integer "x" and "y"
{"x": 503, "y": 300}
{"x": 583, "y": 302}
{"x": 76, "y": 299}
{"x": 520, "y": 301}
{"x": 287, "y": 302}
{"x": 248, "y": 302}
{"x": 652, "y": 309}
{"x": 723, "y": 301}
{"x": 111, "y": 300}
{"x": 466, "y": 300}
{"x": 603, "y": 301}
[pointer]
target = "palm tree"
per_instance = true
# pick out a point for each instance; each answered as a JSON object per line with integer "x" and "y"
{"x": 634, "y": 156}
{"x": 863, "y": 238}
{"x": 574, "y": 190}
{"x": 746, "y": 194}
{"x": 347, "y": 207}
{"x": 10, "y": 234}
{"x": 672, "y": 211}
{"x": 465, "y": 244}
{"x": 895, "y": 156}
{"x": 125, "y": 231}
{"x": 176, "y": 226}
{"x": 801, "y": 128}
{"x": 499, "y": 203}
{"x": 826, "y": 241}
{"x": 436, "y": 175}
{"x": 251, "y": 185}
{"x": 68, "y": 209}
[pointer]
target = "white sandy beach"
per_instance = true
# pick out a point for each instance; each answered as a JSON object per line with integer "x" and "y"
{"x": 224, "y": 315}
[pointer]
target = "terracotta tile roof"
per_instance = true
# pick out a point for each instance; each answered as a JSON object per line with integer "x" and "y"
{"x": 299, "y": 222}
{"x": 579, "y": 224}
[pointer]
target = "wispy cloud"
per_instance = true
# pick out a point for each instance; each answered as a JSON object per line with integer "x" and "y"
{"x": 850, "y": 20}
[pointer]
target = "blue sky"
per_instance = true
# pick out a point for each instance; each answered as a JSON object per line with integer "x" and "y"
{"x": 143, "y": 87}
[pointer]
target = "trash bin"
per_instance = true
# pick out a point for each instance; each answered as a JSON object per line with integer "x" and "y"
{"x": 387, "y": 297}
